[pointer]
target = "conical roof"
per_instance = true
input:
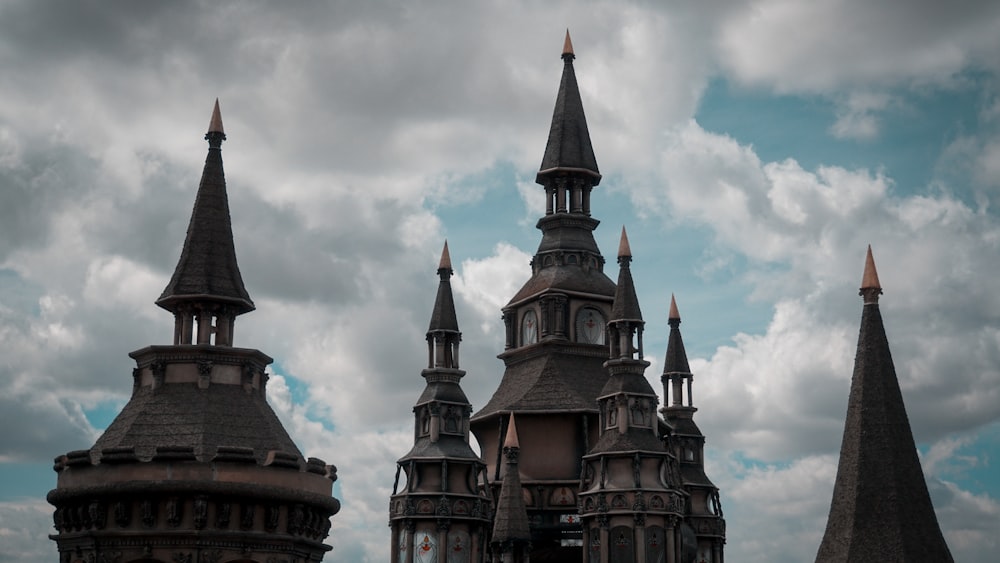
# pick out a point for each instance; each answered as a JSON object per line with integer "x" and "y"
{"x": 510, "y": 523}
{"x": 443, "y": 316}
{"x": 207, "y": 271}
{"x": 568, "y": 147}
{"x": 676, "y": 360}
{"x": 881, "y": 510}
{"x": 626, "y": 304}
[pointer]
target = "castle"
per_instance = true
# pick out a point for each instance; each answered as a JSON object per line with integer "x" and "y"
{"x": 578, "y": 462}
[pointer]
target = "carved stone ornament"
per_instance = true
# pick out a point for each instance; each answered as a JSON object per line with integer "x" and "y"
{"x": 246, "y": 516}
{"x": 271, "y": 514}
{"x": 222, "y": 512}
{"x": 182, "y": 557}
{"x": 200, "y": 513}
{"x": 147, "y": 512}
{"x": 174, "y": 508}
{"x": 123, "y": 514}
{"x": 111, "y": 557}
{"x": 443, "y": 507}
{"x": 210, "y": 556}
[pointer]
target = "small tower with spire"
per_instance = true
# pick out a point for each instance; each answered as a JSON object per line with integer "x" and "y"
{"x": 511, "y": 538}
{"x": 442, "y": 511}
{"x": 555, "y": 340}
{"x": 631, "y": 504}
{"x": 881, "y": 510}
{"x": 197, "y": 465}
{"x": 704, "y": 510}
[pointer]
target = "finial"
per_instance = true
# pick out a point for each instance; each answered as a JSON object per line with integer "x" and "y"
{"x": 567, "y": 53}
{"x": 215, "y": 124}
{"x": 674, "y": 314}
{"x": 445, "y": 263}
{"x": 511, "y": 440}
{"x": 870, "y": 286}
{"x": 624, "y": 250}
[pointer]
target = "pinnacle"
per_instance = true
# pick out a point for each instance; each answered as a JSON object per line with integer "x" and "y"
{"x": 215, "y": 124}
{"x": 445, "y": 263}
{"x": 870, "y": 278}
{"x": 674, "y": 314}
{"x": 511, "y": 440}
{"x": 624, "y": 249}
{"x": 568, "y": 46}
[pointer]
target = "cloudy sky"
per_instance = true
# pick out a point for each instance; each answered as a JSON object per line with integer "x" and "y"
{"x": 753, "y": 149}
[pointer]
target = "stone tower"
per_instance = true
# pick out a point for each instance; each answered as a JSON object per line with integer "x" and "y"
{"x": 630, "y": 496}
{"x": 555, "y": 337}
{"x": 704, "y": 510}
{"x": 196, "y": 468}
{"x": 881, "y": 510}
{"x": 442, "y": 512}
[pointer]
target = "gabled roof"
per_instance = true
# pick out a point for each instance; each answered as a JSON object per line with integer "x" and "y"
{"x": 568, "y": 147}
{"x": 207, "y": 271}
{"x": 881, "y": 510}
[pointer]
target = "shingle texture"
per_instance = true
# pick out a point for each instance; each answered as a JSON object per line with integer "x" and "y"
{"x": 207, "y": 269}
{"x": 569, "y": 140}
{"x": 510, "y": 522}
{"x": 676, "y": 360}
{"x": 626, "y": 304}
{"x": 881, "y": 510}
{"x": 443, "y": 315}
{"x": 182, "y": 415}
{"x": 549, "y": 382}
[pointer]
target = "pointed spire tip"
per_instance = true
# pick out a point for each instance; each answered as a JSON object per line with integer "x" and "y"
{"x": 568, "y": 46}
{"x": 870, "y": 278}
{"x": 511, "y": 440}
{"x": 674, "y": 313}
{"x": 624, "y": 249}
{"x": 215, "y": 124}
{"x": 445, "y": 263}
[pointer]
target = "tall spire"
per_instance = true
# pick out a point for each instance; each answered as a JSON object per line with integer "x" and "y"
{"x": 207, "y": 277}
{"x": 881, "y": 510}
{"x": 568, "y": 148}
{"x": 626, "y": 303}
{"x": 510, "y": 524}
{"x": 443, "y": 316}
{"x": 676, "y": 360}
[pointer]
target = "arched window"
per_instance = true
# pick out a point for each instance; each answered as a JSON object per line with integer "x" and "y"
{"x": 529, "y": 328}
{"x": 590, "y": 325}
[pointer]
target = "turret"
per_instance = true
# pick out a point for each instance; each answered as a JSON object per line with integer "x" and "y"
{"x": 511, "y": 539}
{"x": 704, "y": 510}
{"x": 631, "y": 501}
{"x": 196, "y": 465}
{"x": 442, "y": 507}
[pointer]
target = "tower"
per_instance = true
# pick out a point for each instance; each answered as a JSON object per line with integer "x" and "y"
{"x": 442, "y": 512}
{"x": 631, "y": 501}
{"x": 555, "y": 336}
{"x": 196, "y": 467}
{"x": 704, "y": 510}
{"x": 881, "y": 510}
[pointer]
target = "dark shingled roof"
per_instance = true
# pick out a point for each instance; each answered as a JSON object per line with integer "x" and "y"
{"x": 881, "y": 510}
{"x": 443, "y": 316}
{"x": 510, "y": 520}
{"x": 207, "y": 270}
{"x": 676, "y": 360}
{"x": 182, "y": 415}
{"x": 548, "y": 382}
{"x": 566, "y": 278}
{"x": 569, "y": 140}
{"x": 694, "y": 474}
{"x": 626, "y": 304}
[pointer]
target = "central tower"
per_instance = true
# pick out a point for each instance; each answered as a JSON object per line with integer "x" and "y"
{"x": 555, "y": 337}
